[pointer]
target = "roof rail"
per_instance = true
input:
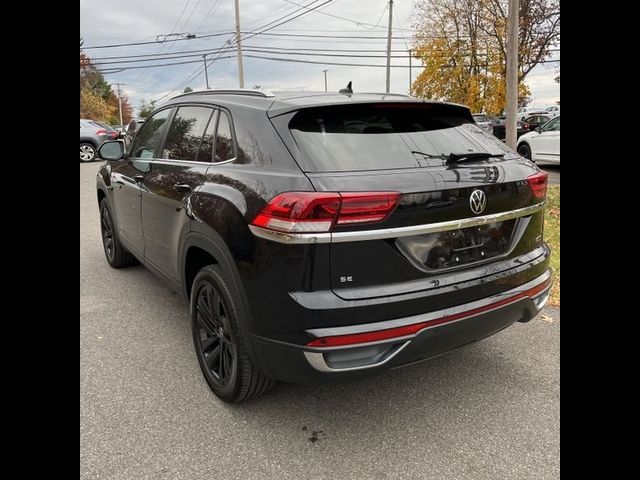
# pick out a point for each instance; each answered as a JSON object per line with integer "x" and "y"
{"x": 387, "y": 94}
{"x": 230, "y": 91}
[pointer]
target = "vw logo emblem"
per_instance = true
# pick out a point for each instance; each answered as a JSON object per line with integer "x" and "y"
{"x": 477, "y": 201}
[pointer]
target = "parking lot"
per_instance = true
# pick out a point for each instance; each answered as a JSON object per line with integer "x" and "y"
{"x": 487, "y": 411}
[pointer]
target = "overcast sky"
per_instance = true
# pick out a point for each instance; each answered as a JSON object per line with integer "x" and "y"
{"x": 126, "y": 21}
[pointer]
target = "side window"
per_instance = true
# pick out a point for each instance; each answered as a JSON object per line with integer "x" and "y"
{"x": 185, "y": 133}
{"x": 224, "y": 141}
{"x": 552, "y": 126}
{"x": 150, "y": 135}
{"x": 206, "y": 147}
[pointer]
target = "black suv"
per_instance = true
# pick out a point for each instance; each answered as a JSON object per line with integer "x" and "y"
{"x": 319, "y": 236}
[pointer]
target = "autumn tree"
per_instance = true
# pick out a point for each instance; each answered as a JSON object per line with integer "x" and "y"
{"x": 462, "y": 46}
{"x": 146, "y": 108}
{"x": 98, "y": 101}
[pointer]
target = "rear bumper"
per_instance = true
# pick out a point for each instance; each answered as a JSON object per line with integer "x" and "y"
{"x": 347, "y": 351}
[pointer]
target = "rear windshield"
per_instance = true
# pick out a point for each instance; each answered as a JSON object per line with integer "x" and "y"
{"x": 386, "y": 136}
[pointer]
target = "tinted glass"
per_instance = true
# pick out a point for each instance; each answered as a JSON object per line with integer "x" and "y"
{"x": 206, "y": 146}
{"x": 552, "y": 126}
{"x": 185, "y": 133}
{"x": 150, "y": 135}
{"x": 224, "y": 140}
{"x": 385, "y": 136}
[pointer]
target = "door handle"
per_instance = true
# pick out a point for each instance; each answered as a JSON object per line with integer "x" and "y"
{"x": 138, "y": 178}
{"x": 182, "y": 187}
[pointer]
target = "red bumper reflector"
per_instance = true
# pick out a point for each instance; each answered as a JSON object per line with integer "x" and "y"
{"x": 407, "y": 330}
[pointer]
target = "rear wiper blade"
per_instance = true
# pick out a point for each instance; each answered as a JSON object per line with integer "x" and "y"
{"x": 430, "y": 155}
{"x": 470, "y": 156}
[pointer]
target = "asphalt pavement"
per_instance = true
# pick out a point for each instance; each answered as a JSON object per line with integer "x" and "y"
{"x": 487, "y": 411}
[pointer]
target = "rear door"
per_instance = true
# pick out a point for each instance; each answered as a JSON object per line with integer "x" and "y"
{"x": 404, "y": 148}
{"x": 177, "y": 171}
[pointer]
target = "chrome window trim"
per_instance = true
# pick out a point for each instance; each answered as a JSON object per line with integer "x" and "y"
{"x": 382, "y": 233}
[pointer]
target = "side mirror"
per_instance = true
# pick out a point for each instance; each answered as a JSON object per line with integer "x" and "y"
{"x": 111, "y": 150}
{"x": 539, "y": 129}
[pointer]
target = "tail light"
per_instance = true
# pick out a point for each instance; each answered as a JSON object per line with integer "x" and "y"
{"x": 526, "y": 125}
{"x": 102, "y": 131}
{"x": 538, "y": 185}
{"x": 319, "y": 211}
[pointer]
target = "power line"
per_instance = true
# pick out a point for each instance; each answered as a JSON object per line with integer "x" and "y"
{"x": 186, "y": 22}
{"x": 130, "y": 44}
{"x": 198, "y": 70}
{"x": 253, "y": 33}
{"x": 294, "y": 60}
{"x": 213, "y": 8}
{"x": 361, "y": 24}
{"x": 317, "y": 52}
{"x": 201, "y": 51}
{"x": 310, "y": 10}
{"x": 164, "y": 45}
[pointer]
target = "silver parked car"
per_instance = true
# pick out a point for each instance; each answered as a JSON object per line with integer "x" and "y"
{"x": 92, "y": 134}
{"x": 485, "y": 122}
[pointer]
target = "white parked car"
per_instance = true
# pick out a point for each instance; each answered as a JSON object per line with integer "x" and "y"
{"x": 554, "y": 111}
{"x": 524, "y": 112}
{"x": 543, "y": 144}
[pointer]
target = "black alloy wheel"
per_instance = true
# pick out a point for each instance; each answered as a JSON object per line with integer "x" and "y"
{"x": 215, "y": 336}
{"x": 221, "y": 346}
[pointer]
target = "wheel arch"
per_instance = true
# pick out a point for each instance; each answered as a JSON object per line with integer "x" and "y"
{"x": 198, "y": 250}
{"x": 89, "y": 141}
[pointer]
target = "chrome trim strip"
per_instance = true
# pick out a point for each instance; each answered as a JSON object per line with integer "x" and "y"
{"x": 315, "y": 355}
{"x": 283, "y": 237}
{"x": 316, "y": 360}
{"x": 297, "y": 238}
{"x": 400, "y": 322}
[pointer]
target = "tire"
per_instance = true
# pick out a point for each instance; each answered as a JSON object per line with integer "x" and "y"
{"x": 87, "y": 152}
{"x": 219, "y": 343}
{"x": 117, "y": 255}
{"x": 524, "y": 150}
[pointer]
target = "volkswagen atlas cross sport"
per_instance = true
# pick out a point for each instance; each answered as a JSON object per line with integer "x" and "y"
{"x": 320, "y": 236}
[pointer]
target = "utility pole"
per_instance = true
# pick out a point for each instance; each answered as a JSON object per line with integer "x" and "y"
{"x": 512, "y": 74}
{"x": 206, "y": 74}
{"x": 325, "y": 79}
{"x": 240, "y": 69}
{"x": 120, "y": 101}
{"x": 389, "y": 46}
{"x": 410, "y": 76}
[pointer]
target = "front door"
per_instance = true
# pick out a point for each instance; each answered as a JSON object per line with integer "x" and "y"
{"x": 126, "y": 178}
{"x": 547, "y": 144}
{"x": 168, "y": 185}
